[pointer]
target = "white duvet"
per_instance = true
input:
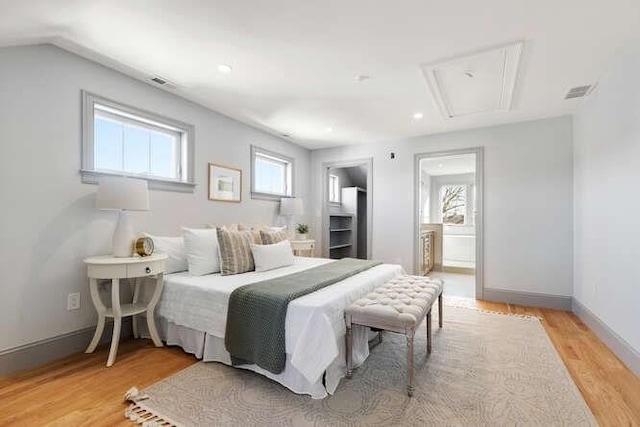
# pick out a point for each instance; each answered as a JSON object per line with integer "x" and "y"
{"x": 314, "y": 322}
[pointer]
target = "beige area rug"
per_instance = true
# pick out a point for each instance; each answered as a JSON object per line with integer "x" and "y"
{"x": 485, "y": 369}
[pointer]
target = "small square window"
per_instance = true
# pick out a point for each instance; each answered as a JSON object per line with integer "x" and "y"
{"x": 334, "y": 189}
{"x": 272, "y": 174}
{"x": 121, "y": 140}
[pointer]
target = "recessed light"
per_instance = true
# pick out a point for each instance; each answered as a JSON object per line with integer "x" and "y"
{"x": 329, "y": 129}
{"x": 440, "y": 165}
{"x": 224, "y": 68}
{"x": 418, "y": 116}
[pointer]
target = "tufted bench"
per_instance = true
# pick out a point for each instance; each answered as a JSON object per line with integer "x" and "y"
{"x": 399, "y": 305}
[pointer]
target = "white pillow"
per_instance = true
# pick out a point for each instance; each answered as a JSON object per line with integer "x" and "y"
{"x": 174, "y": 248}
{"x": 268, "y": 257}
{"x": 202, "y": 250}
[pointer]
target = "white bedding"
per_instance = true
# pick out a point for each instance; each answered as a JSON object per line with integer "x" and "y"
{"x": 315, "y": 322}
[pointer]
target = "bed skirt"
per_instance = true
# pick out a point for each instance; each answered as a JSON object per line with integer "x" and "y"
{"x": 210, "y": 348}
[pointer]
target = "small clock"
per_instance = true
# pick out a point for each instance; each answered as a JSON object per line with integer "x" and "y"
{"x": 144, "y": 246}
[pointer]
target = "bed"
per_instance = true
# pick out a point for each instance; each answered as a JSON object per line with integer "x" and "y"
{"x": 192, "y": 314}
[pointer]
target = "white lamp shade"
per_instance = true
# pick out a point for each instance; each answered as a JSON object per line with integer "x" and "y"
{"x": 122, "y": 193}
{"x": 291, "y": 206}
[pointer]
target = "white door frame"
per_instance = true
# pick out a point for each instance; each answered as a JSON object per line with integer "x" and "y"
{"x": 368, "y": 162}
{"x": 479, "y": 152}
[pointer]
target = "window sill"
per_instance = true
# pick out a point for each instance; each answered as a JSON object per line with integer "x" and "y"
{"x": 91, "y": 177}
{"x": 267, "y": 196}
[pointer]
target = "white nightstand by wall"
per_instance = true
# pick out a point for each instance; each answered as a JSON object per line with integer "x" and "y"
{"x": 303, "y": 247}
{"x": 108, "y": 267}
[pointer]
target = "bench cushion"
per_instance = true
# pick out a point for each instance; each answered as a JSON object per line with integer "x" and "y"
{"x": 400, "y": 304}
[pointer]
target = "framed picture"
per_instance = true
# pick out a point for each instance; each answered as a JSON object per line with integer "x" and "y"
{"x": 225, "y": 183}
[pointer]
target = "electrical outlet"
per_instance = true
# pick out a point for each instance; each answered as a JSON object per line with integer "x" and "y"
{"x": 73, "y": 301}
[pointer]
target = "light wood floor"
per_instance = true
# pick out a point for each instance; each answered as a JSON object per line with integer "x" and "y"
{"x": 80, "y": 390}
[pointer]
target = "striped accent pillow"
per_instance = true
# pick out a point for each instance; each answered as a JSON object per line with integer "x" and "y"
{"x": 235, "y": 251}
{"x": 273, "y": 237}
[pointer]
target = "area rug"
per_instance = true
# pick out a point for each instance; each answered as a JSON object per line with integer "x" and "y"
{"x": 485, "y": 369}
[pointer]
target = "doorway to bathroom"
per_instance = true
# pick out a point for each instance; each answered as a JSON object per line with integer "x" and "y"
{"x": 448, "y": 233}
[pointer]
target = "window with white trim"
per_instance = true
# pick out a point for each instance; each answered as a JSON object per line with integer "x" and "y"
{"x": 334, "y": 189}
{"x": 121, "y": 140}
{"x": 457, "y": 203}
{"x": 272, "y": 174}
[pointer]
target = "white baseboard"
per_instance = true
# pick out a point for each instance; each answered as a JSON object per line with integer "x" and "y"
{"x": 556, "y": 302}
{"x": 615, "y": 342}
{"x": 48, "y": 350}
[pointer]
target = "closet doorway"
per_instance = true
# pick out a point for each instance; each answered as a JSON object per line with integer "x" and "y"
{"x": 346, "y": 209}
{"x": 448, "y": 224}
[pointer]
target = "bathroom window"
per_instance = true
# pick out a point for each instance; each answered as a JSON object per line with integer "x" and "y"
{"x": 453, "y": 204}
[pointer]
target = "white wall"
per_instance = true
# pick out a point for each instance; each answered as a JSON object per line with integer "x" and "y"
{"x": 607, "y": 201}
{"x": 528, "y": 200}
{"x": 48, "y": 221}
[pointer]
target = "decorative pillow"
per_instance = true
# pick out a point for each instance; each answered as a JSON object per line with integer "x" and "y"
{"x": 271, "y": 237}
{"x": 235, "y": 251}
{"x": 174, "y": 248}
{"x": 268, "y": 257}
{"x": 255, "y": 230}
{"x": 202, "y": 250}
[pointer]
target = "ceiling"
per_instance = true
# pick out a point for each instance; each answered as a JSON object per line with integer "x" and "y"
{"x": 295, "y": 62}
{"x": 449, "y": 165}
{"x": 357, "y": 175}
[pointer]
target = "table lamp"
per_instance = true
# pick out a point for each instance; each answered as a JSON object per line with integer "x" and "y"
{"x": 124, "y": 195}
{"x": 289, "y": 207}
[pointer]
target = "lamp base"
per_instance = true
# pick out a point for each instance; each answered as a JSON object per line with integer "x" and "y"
{"x": 123, "y": 236}
{"x": 290, "y": 230}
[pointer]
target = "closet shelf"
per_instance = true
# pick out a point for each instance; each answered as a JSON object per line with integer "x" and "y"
{"x": 346, "y": 245}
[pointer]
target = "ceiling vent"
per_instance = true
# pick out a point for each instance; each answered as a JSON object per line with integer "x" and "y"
{"x": 578, "y": 92}
{"x": 481, "y": 82}
{"x": 163, "y": 82}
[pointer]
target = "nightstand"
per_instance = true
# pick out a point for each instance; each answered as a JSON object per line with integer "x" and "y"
{"x": 306, "y": 247}
{"x": 109, "y": 267}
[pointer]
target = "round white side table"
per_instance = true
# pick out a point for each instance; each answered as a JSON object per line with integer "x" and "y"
{"x": 109, "y": 267}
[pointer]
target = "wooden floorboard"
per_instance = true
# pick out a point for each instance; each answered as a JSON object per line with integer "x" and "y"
{"x": 80, "y": 390}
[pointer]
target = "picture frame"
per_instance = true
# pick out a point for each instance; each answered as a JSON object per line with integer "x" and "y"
{"x": 225, "y": 183}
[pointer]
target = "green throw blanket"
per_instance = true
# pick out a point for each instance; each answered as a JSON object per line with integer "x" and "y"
{"x": 257, "y": 312}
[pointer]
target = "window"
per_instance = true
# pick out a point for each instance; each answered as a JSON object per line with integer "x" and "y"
{"x": 272, "y": 174}
{"x": 121, "y": 140}
{"x": 453, "y": 204}
{"x": 334, "y": 189}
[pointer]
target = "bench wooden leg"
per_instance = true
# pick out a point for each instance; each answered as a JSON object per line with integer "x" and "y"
{"x": 428, "y": 322}
{"x": 410, "y": 363}
{"x": 349, "y": 343}
{"x": 440, "y": 310}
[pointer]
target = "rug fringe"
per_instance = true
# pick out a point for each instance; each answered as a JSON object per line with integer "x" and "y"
{"x": 458, "y": 304}
{"x": 145, "y": 417}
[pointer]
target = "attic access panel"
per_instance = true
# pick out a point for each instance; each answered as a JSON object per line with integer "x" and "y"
{"x": 481, "y": 82}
